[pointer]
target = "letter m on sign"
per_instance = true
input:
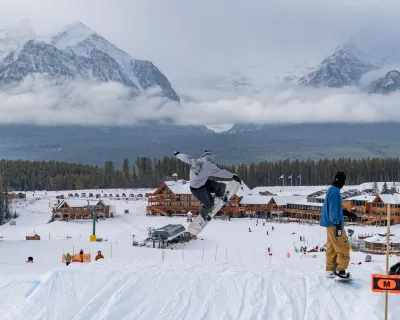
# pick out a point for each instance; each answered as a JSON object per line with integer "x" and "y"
{"x": 383, "y": 283}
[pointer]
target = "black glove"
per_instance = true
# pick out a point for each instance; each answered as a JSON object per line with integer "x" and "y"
{"x": 338, "y": 230}
{"x": 346, "y": 212}
{"x": 236, "y": 178}
{"x": 176, "y": 153}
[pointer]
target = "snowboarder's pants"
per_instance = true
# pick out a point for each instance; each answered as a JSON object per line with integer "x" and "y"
{"x": 337, "y": 250}
{"x": 203, "y": 194}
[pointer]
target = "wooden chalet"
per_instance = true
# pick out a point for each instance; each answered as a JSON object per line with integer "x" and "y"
{"x": 379, "y": 209}
{"x": 362, "y": 206}
{"x": 174, "y": 198}
{"x": 33, "y": 237}
{"x": 80, "y": 209}
{"x": 257, "y": 205}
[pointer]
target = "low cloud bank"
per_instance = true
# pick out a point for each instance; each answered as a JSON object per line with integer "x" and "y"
{"x": 39, "y": 101}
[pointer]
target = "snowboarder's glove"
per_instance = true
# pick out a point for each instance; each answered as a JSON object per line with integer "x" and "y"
{"x": 236, "y": 178}
{"x": 346, "y": 212}
{"x": 176, "y": 153}
{"x": 338, "y": 230}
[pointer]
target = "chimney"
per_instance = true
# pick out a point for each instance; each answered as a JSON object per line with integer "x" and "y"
{"x": 174, "y": 177}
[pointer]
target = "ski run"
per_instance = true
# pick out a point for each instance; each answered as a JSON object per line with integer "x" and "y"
{"x": 227, "y": 273}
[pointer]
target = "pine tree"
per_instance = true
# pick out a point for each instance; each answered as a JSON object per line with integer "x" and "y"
{"x": 375, "y": 189}
{"x": 7, "y": 212}
{"x": 385, "y": 189}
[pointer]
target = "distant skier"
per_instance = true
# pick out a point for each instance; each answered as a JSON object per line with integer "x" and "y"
{"x": 81, "y": 254}
{"x": 267, "y": 233}
{"x": 200, "y": 184}
{"x": 250, "y": 230}
{"x": 272, "y": 228}
{"x": 30, "y": 260}
{"x": 68, "y": 259}
{"x": 337, "y": 245}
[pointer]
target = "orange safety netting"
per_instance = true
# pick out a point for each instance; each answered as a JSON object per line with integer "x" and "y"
{"x": 78, "y": 257}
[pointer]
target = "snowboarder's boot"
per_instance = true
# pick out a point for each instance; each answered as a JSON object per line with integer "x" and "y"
{"x": 342, "y": 276}
{"x": 330, "y": 274}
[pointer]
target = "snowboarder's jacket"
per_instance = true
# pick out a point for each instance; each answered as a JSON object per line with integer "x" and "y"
{"x": 332, "y": 211}
{"x": 202, "y": 168}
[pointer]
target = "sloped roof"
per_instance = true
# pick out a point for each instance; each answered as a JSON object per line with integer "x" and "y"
{"x": 283, "y": 201}
{"x": 80, "y": 203}
{"x": 382, "y": 239}
{"x": 255, "y": 199}
{"x": 178, "y": 187}
{"x": 362, "y": 198}
{"x": 390, "y": 198}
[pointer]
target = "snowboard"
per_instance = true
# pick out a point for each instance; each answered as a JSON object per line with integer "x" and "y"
{"x": 198, "y": 223}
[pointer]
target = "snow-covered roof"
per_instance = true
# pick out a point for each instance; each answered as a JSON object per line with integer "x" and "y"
{"x": 390, "y": 198}
{"x": 303, "y": 201}
{"x": 382, "y": 239}
{"x": 179, "y": 186}
{"x": 361, "y": 198}
{"x": 80, "y": 203}
{"x": 255, "y": 199}
{"x": 283, "y": 201}
{"x": 106, "y": 201}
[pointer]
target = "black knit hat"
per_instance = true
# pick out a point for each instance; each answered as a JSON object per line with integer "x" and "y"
{"x": 340, "y": 179}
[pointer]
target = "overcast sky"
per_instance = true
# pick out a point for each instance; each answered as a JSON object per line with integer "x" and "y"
{"x": 189, "y": 38}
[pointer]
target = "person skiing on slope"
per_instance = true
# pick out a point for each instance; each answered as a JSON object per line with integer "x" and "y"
{"x": 200, "y": 184}
{"x": 337, "y": 244}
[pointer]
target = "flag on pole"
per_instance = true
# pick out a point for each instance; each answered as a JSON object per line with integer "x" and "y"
{"x": 299, "y": 177}
{"x": 281, "y": 177}
{"x": 290, "y": 177}
{"x": 291, "y": 180}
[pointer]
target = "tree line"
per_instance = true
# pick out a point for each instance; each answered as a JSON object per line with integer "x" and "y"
{"x": 145, "y": 172}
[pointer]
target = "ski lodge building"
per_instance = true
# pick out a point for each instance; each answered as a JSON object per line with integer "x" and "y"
{"x": 173, "y": 198}
{"x": 73, "y": 209}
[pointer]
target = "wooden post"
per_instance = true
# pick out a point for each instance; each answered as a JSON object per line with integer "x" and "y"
{"x": 387, "y": 257}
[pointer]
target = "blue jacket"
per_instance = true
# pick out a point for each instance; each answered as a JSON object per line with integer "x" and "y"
{"x": 332, "y": 211}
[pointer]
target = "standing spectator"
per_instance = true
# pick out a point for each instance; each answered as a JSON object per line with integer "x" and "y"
{"x": 68, "y": 259}
{"x": 337, "y": 245}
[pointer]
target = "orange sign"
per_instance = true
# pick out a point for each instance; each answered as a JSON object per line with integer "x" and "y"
{"x": 383, "y": 283}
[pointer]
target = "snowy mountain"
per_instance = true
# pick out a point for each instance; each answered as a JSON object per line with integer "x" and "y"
{"x": 79, "y": 52}
{"x": 366, "y": 51}
{"x": 389, "y": 83}
{"x": 343, "y": 68}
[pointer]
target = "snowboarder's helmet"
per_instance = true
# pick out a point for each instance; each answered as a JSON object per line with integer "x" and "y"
{"x": 209, "y": 154}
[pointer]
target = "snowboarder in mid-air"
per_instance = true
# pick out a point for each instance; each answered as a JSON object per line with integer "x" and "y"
{"x": 200, "y": 184}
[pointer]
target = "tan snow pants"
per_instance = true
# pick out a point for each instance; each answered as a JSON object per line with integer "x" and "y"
{"x": 337, "y": 250}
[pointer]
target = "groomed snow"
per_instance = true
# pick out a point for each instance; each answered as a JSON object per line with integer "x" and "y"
{"x": 225, "y": 274}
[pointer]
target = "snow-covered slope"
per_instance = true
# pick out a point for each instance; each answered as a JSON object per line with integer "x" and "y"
{"x": 79, "y": 52}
